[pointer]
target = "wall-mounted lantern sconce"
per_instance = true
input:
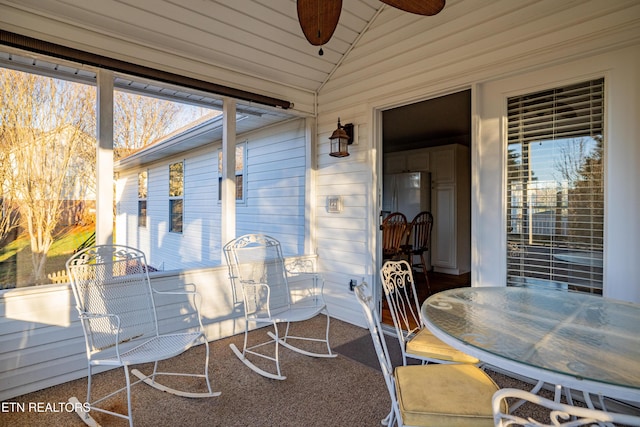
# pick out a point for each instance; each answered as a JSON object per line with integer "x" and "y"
{"x": 341, "y": 139}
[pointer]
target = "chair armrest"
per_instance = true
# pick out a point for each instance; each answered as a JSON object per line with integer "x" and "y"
{"x": 307, "y": 287}
{"x": 303, "y": 269}
{"x": 197, "y": 300}
{"x": 88, "y": 317}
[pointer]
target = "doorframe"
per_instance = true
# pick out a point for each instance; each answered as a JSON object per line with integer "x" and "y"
{"x": 377, "y": 110}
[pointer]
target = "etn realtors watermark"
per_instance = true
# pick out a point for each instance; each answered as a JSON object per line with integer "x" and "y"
{"x": 43, "y": 407}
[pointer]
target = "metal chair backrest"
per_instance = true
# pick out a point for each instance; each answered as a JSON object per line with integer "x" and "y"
{"x": 112, "y": 280}
{"x": 257, "y": 259}
{"x": 402, "y": 299}
{"x": 420, "y": 232}
{"x": 377, "y": 335}
{"x": 394, "y": 229}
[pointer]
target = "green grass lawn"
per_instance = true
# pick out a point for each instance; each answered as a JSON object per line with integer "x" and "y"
{"x": 15, "y": 258}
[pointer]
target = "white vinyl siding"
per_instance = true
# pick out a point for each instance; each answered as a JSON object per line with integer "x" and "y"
{"x": 275, "y": 186}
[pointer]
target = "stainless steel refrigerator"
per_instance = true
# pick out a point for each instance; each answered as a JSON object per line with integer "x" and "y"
{"x": 408, "y": 192}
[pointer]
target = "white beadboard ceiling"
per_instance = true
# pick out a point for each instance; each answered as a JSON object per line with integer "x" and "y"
{"x": 255, "y": 38}
{"x": 259, "y": 38}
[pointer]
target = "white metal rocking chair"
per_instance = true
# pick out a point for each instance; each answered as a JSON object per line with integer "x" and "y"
{"x": 257, "y": 267}
{"x": 116, "y": 306}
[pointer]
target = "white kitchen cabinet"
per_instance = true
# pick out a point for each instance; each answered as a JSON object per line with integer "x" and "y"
{"x": 451, "y": 206}
{"x": 443, "y": 242}
{"x": 407, "y": 161}
{"x": 395, "y": 163}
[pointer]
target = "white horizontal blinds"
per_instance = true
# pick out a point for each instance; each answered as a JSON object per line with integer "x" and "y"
{"x": 555, "y": 187}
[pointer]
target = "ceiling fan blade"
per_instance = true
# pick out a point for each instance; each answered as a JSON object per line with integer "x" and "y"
{"x": 420, "y": 7}
{"x": 319, "y": 19}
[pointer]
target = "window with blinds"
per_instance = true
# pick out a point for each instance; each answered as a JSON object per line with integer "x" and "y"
{"x": 555, "y": 188}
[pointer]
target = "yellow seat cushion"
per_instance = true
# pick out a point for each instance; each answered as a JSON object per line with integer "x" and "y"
{"x": 425, "y": 344}
{"x": 445, "y": 395}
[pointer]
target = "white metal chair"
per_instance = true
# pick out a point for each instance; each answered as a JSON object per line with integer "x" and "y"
{"x": 430, "y": 395}
{"x": 416, "y": 341}
{"x": 116, "y": 306}
{"x": 560, "y": 414}
{"x": 257, "y": 267}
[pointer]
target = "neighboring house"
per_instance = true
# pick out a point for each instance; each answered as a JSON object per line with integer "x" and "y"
{"x": 270, "y": 171}
{"x": 496, "y": 50}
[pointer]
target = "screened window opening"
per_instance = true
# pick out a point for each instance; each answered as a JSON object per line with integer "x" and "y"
{"x": 142, "y": 198}
{"x": 239, "y": 173}
{"x": 176, "y": 192}
{"x": 555, "y": 188}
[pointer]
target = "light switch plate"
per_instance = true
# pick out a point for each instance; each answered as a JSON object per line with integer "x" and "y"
{"x": 334, "y": 204}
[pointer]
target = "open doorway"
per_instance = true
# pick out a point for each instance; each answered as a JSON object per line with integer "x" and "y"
{"x": 430, "y": 140}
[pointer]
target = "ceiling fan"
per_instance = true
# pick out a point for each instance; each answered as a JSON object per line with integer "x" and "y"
{"x": 319, "y": 18}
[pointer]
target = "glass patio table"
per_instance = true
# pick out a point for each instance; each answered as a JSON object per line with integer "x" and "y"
{"x": 576, "y": 340}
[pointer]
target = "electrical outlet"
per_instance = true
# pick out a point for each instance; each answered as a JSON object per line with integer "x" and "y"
{"x": 352, "y": 284}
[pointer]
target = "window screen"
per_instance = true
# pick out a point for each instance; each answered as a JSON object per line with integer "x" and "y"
{"x": 555, "y": 188}
{"x": 239, "y": 173}
{"x": 142, "y": 198}
{"x": 176, "y": 192}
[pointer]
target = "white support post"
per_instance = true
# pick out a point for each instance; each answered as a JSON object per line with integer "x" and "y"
{"x": 310, "y": 184}
{"x": 228, "y": 190}
{"x": 104, "y": 159}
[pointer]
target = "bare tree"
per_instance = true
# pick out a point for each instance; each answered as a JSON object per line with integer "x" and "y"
{"x": 140, "y": 121}
{"x": 45, "y": 123}
{"x": 8, "y": 208}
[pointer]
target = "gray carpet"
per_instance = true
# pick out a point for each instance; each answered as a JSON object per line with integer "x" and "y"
{"x": 346, "y": 391}
{"x": 361, "y": 350}
{"x": 317, "y": 392}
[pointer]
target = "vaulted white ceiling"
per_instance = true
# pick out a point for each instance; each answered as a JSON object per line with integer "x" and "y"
{"x": 260, "y": 38}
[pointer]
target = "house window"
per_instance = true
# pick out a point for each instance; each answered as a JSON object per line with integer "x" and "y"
{"x": 555, "y": 188}
{"x": 142, "y": 198}
{"x": 176, "y": 193}
{"x": 240, "y": 149}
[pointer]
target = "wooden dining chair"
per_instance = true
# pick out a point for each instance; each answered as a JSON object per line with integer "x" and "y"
{"x": 394, "y": 231}
{"x": 418, "y": 242}
{"x": 416, "y": 341}
{"x": 430, "y": 395}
